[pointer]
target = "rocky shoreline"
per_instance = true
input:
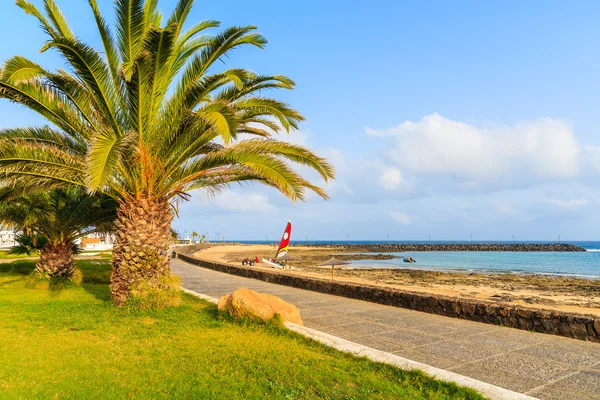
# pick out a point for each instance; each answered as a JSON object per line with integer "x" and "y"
{"x": 402, "y": 247}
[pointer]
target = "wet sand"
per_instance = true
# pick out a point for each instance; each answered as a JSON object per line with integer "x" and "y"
{"x": 531, "y": 291}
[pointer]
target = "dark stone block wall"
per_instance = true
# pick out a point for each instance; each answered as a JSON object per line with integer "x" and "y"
{"x": 579, "y": 326}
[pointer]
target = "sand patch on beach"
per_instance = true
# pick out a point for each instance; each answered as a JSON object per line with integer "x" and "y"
{"x": 531, "y": 291}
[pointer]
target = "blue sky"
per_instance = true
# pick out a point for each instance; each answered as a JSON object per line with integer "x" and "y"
{"x": 447, "y": 119}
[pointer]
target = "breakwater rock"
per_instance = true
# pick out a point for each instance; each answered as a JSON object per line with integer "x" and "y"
{"x": 401, "y": 247}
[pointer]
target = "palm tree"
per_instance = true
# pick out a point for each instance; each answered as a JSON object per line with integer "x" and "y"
{"x": 151, "y": 118}
{"x": 28, "y": 244}
{"x": 52, "y": 222}
{"x": 194, "y": 234}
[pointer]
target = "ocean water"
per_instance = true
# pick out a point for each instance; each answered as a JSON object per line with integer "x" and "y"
{"x": 585, "y": 265}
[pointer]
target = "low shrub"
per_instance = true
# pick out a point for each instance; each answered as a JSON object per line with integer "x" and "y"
{"x": 155, "y": 296}
{"x": 36, "y": 281}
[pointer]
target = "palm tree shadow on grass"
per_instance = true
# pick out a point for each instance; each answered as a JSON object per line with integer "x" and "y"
{"x": 20, "y": 267}
{"x": 99, "y": 291}
{"x": 95, "y": 281}
{"x": 19, "y": 279}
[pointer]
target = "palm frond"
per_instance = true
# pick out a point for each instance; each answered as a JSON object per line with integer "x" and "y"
{"x": 44, "y": 100}
{"x": 32, "y": 10}
{"x": 130, "y": 32}
{"x": 287, "y": 116}
{"x": 20, "y": 69}
{"x": 181, "y": 12}
{"x": 57, "y": 18}
{"x": 146, "y": 118}
{"x": 93, "y": 73}
{"x": 108, "y": 41}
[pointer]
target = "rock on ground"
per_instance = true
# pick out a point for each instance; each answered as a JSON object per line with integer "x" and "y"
{"x": 249, "y": 304}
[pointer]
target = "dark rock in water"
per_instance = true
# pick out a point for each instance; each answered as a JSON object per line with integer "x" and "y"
{"x": 402, "y": 247}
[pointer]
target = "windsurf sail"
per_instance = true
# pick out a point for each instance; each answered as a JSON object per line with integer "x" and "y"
{"x": 285, "y": 241}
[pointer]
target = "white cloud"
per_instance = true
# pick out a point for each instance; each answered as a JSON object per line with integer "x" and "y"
{"x": 592, "y": 158}
{"x": 502, "y": 207}
{"x": 244, "y": 202}
{"x": 401, "y": 218}
{"x": 336, "y": 158}
{"x": 567, "y": 204}
{"x": 390, "y": 179}
{"x": 300, "y": 138}
{"x": 544, "y": 149}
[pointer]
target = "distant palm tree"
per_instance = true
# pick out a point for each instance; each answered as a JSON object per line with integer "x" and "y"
{"x": 53, "y": 222}
{"x": 194, "y": 234}
{"x": 147, "y": 121}
{"x": 28, "y": 244}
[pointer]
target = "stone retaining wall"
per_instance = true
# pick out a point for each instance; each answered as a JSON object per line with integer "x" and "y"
{"x": 579, "y": 326}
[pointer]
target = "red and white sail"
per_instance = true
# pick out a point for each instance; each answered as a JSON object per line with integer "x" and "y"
{"x": 285, "y": 241}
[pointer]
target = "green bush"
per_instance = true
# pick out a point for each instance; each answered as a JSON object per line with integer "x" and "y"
{"x": 36, "y": 281}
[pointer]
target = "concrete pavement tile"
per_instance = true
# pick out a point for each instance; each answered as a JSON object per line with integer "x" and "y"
{"x": 316, "y": 325}
{"x": 516, "y": 380}
{"x": 308, "y": 304}
{"x": 387, "y": 318}
{"x": 461, "y": 335}
{"x": 344, "y": 308}
{"x": 507, "y": 338}
{"x": 567, "y": 389}
{"x": 460, "y": 351}
{"x": 392, "y": 323}
{"x": 587, "y": 380}
{"x": 409, "y": 338}
{"x": 425, "y": 357}
{"x": 357, "y": 329}
{"x": 535, "y": 368}
{"x": 316, "y": 312}
{"x": 562, "y": 393}
{"x": 563, "y": 353}
{"x": 435, "y": 329}
{"x": 376, "y": 342}
{"x": 331, "y": 320}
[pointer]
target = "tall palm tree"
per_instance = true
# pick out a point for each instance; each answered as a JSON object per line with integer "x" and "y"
{"x": 147, "y": 120}
{"x": 52, "y": 222}
{"x": 194, "y": 234}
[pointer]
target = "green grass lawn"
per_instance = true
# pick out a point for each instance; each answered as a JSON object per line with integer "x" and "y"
{"x": 75, "y": 344}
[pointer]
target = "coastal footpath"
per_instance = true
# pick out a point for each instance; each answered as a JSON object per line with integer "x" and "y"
{"x": 578, "y": 326}
{"x": 401, "y": 247}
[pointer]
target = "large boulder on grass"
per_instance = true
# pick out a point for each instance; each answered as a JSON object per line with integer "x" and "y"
{"x": 245, "y": 303}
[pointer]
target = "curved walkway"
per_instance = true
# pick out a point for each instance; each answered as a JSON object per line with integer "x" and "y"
{"x": 543, "y": 366}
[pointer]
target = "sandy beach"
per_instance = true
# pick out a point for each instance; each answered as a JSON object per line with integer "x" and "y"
{"x": 531, "y": 291}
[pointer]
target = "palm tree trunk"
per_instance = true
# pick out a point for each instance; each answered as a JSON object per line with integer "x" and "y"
{"x": 56, "y": 261}
{"x": 140, "y": 252}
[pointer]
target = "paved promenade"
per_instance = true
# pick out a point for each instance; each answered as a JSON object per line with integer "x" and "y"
{"x": 543, "y": 366}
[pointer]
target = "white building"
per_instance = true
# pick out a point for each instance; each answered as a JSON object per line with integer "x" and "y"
{"x": 97, "y": 241}
{"x": 7, "y": 238}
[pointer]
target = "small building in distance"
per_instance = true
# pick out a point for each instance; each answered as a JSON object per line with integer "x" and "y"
{"x": 7, "y": 238}
{"x": 97, "y": 241}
